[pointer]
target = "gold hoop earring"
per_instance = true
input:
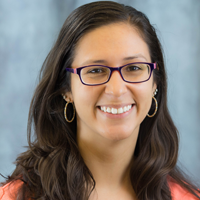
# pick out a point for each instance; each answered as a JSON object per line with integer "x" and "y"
{"x": 65, "y": 112}
{"x": 155, "y": 108}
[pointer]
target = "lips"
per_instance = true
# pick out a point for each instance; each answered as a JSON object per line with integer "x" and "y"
{"x": 116, "y": 111}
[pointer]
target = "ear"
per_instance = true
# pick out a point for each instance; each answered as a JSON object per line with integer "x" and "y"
{"x": 68, "y": 97}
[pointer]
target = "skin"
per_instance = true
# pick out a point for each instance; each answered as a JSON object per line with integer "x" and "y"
{"x": 107, "y": 144}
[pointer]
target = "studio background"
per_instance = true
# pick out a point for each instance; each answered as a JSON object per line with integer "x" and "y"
{"x": 28, "y": 29}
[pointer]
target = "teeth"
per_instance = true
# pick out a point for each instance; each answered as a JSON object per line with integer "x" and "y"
{"x": 125, "y": 108}
{"x": 108, "y": 110}
{"x": 115, "y": 110}
{"x": 120, "y": 110}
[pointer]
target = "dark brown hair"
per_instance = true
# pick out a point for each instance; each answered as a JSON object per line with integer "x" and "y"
{"x": 52, "y": 167}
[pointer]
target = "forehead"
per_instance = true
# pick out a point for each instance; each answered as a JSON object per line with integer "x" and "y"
{"x": 111, "y": 42}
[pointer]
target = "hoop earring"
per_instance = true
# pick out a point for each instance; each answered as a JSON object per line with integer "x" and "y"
{"x": 155, "y": 108}
{"x": 65, "y": 112}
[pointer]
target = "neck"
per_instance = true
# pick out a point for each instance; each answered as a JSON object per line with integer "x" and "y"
{"x": 108, "y": 161}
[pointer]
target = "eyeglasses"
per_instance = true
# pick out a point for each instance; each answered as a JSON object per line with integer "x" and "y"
{"x": 136, "y": 72}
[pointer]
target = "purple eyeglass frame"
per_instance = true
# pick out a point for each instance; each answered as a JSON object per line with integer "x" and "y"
{"x": 112, "y": 69}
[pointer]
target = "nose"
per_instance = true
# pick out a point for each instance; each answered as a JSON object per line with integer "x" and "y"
{"x": 116, "y": 86}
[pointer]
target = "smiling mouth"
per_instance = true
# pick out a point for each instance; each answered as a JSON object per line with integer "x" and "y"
{"x": 116, "y": 111}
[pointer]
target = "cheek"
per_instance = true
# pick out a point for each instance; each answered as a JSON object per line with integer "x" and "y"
{"x": 85, "y": 98}
{"x": 82, "y": 102}
{"x": 144, "y": 97}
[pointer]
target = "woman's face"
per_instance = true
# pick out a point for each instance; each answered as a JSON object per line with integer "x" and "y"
{"x": 112, "y": 45}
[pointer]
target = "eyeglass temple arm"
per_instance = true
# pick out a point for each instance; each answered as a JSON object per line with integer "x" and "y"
{"x": 72, "y": 70}
{"x": 155, "y": 66}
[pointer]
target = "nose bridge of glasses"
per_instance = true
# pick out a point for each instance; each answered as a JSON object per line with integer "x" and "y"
{"x": 117, "y": 69}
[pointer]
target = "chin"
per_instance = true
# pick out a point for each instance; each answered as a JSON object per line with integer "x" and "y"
{"x": 118, "y": 135}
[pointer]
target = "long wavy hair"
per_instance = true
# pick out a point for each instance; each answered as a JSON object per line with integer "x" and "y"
{"x": 52, "y": 167}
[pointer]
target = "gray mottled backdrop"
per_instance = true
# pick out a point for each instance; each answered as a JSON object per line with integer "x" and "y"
{"x": 28, "y": 29}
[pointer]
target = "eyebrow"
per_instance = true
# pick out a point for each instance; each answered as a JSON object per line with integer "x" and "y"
{"x": 135, "y": 56}
{"x": 101, "y": 61}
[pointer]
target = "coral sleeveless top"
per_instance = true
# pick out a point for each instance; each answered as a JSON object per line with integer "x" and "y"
{"x": 9, "y": 191}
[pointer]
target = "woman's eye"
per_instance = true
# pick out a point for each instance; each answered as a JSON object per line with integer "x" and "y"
{"x": 96, "y": 70}
{"x": 133, "y": 68}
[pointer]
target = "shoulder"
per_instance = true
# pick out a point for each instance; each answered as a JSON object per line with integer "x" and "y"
{"x": 178, "y": 192}
{"x": 10, "y": 190}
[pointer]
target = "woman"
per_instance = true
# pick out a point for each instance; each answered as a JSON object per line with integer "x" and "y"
{"x": 116, "y": 139}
